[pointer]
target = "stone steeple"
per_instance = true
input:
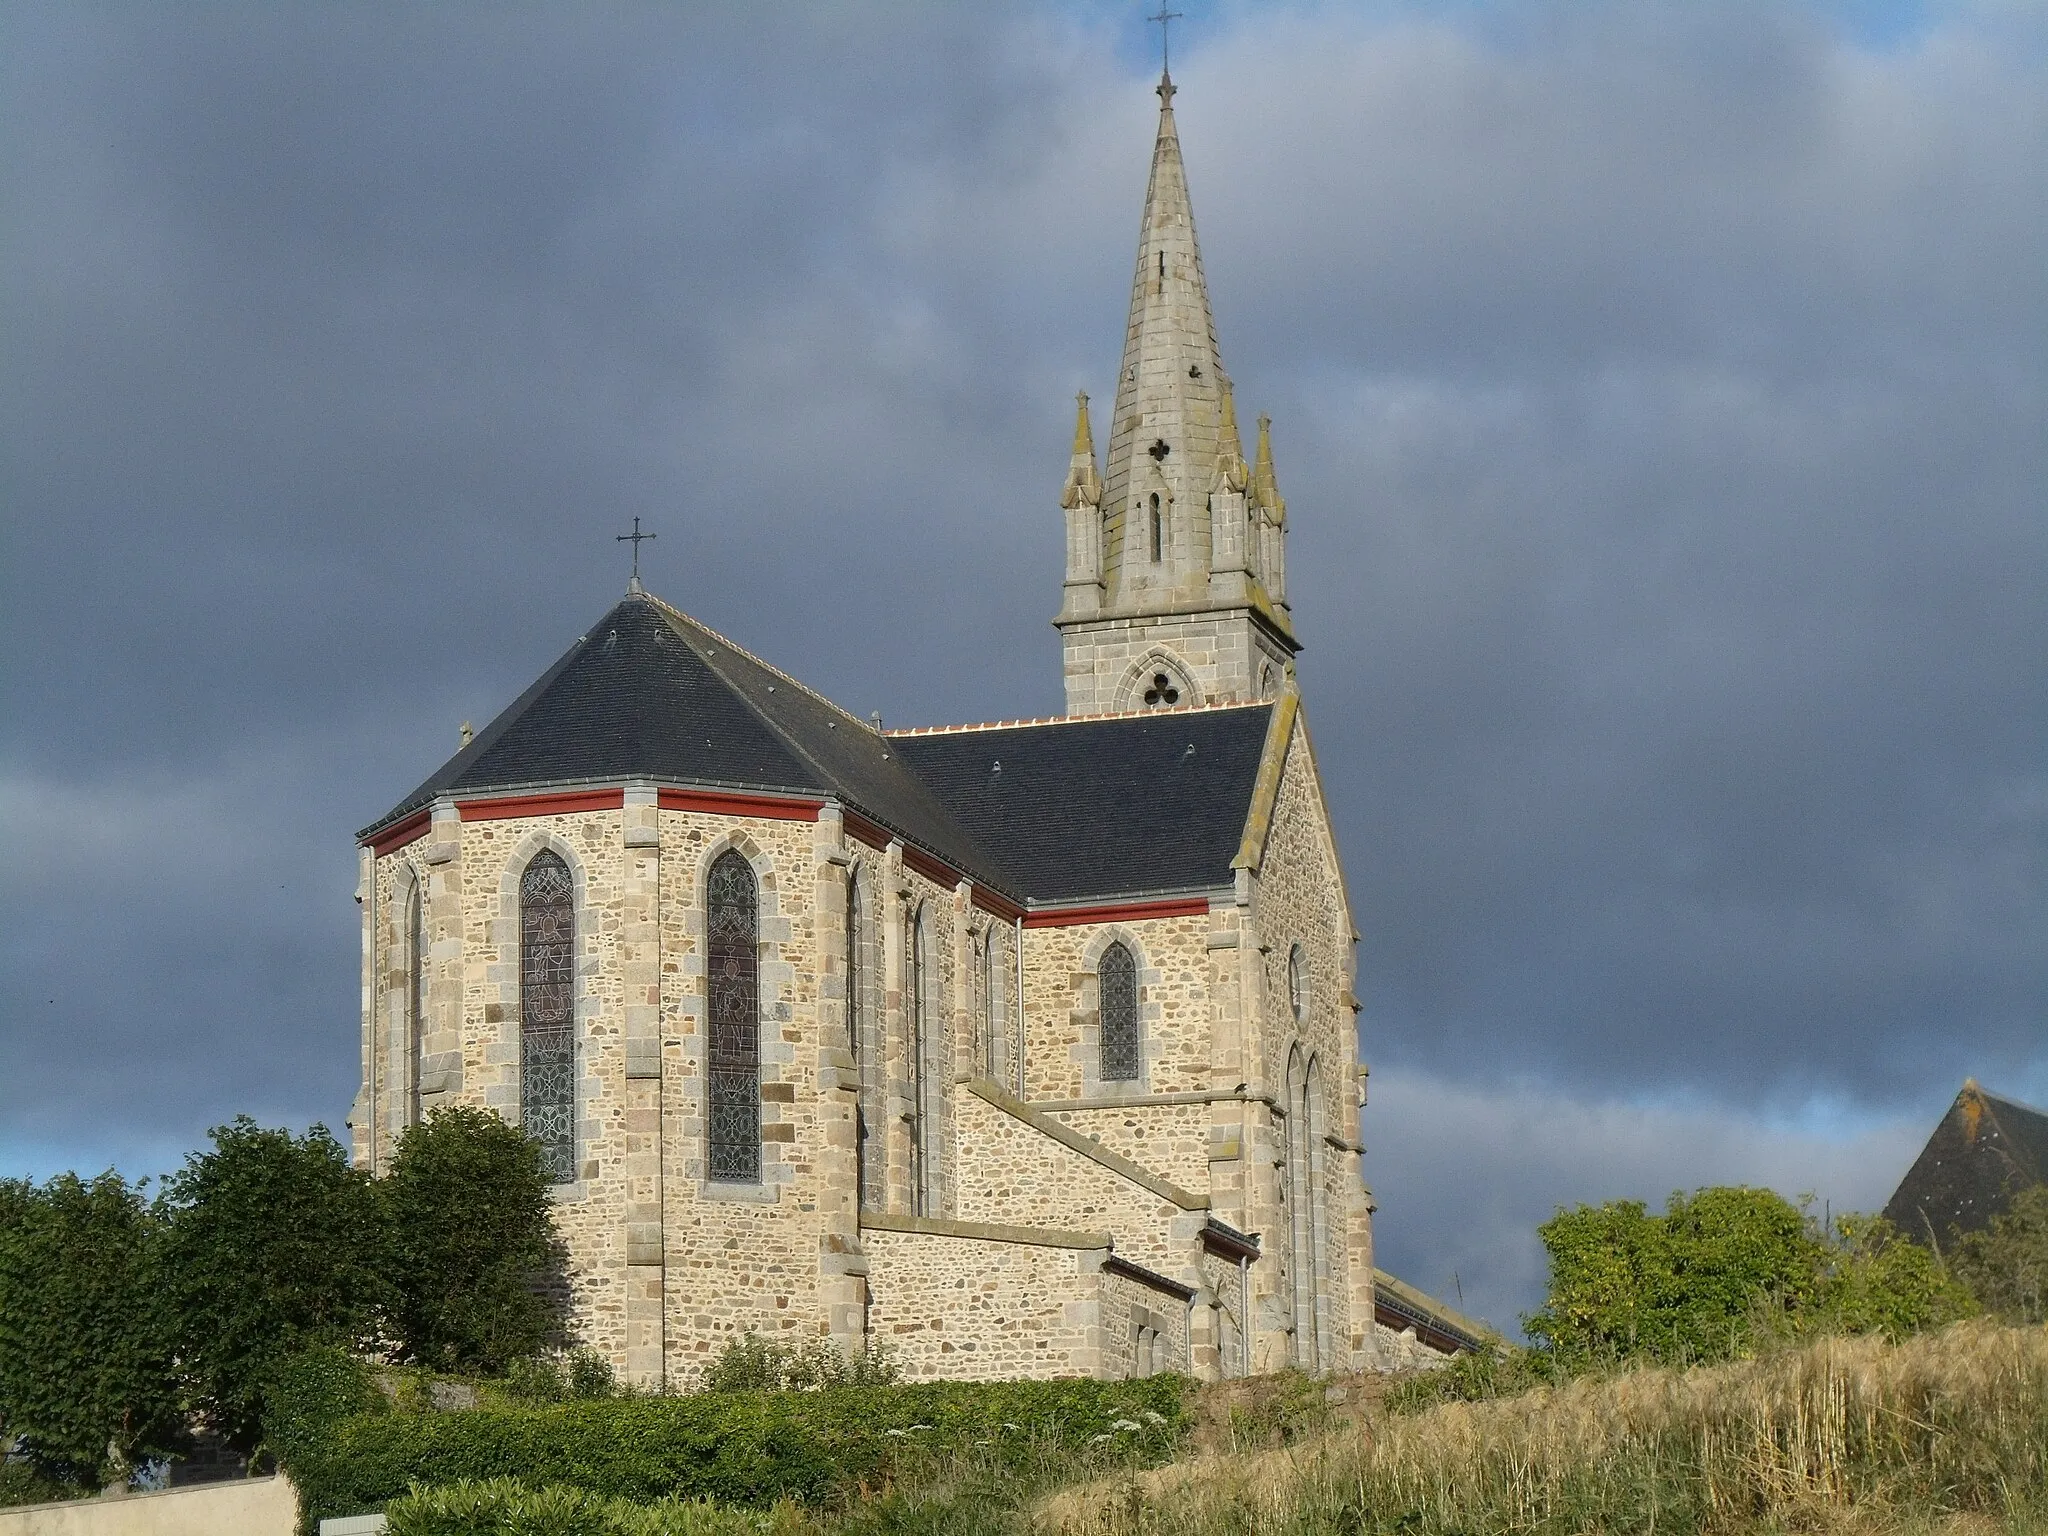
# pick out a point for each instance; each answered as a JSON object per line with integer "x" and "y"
{"x": 1168, "y": 564}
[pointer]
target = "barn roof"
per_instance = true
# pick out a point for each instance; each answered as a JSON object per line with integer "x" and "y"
{"x": 1984, "y": 1151}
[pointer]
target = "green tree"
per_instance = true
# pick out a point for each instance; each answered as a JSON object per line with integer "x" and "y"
{"x": 472, "y": 1243}
{"x": 1872, "y": 1280}
{"x": 1678, "y": 1287}
{"x": 272, "y": 1245}
{"x": 2006, "y": 1267}
{"x": 86, "y": 1381}
{"x": 1721, "y": 1270}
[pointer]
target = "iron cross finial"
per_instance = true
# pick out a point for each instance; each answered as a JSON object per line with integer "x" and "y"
{"x": 634, "y": 539}
{"x": 1166, "y": 19}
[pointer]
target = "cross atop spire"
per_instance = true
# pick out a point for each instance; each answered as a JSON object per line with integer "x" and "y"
{"x": 634, "y": 538}
{"x": 1166, "y": 19}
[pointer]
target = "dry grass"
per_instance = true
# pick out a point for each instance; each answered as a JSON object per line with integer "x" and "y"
{"x": 1946, "y": 1432}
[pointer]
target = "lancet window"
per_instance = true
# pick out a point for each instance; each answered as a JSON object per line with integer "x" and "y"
{"x": 547, "y": 1012}
{"x": 415, "y": 1000}
{"x": 732, "y": 978}
{"x": 1117, "y": 986}
{"x": 920, "y": 985}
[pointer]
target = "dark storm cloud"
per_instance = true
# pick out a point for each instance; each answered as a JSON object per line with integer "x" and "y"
{"x": 1658, "y": 395}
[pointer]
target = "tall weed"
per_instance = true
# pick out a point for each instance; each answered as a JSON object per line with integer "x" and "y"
{"x": 1947, "y": 1423}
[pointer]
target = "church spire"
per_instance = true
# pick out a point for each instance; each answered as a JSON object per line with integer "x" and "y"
{"x": 1172, "y": 585}
{"x": 1163, "y": 435}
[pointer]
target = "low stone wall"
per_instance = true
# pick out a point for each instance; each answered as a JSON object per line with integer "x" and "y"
{"x": 255, "y": 1506}
{"x": 953, "y": 1301}
{"x": 1144, "y": 1329}
{"x": 1402, "y": 1351}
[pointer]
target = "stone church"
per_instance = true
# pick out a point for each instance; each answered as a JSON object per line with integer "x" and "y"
{"x": 943, "y": 1040}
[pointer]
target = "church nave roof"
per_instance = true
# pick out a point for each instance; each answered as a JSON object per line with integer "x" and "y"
{"x": 1054, "y": 811}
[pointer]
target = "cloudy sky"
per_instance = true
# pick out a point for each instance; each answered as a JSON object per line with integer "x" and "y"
{"x": 1659, "y": 393}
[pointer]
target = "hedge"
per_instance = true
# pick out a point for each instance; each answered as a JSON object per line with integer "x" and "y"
{"x": 737, "y": 1448}
{"x": 506, "y": 1508}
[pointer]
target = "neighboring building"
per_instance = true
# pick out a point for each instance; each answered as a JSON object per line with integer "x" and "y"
{"x": 1984, "y": 1151}
{"x": 1025, "y": 1049}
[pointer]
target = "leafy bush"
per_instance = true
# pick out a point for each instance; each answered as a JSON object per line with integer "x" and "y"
{"x": 21, "y": 1483}
{"x": 738, "y": 1448}
{"x": 503, "y": 1507}
{"x": 472, "y": 1243}
{"x": 1721, "y": 1270}
{"x": 308, "y": 1397}
{"x": 2006, "y": 1267}
{"x": 579, "y": 1376}
{"x": 86, "y": 1381}
{"x": 271, "y": 1246}
{"x": 754, "y": 1364}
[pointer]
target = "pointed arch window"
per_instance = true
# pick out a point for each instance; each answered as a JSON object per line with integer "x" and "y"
{"x": 1117, "y": 984}
{"x": 920, "y": 988}
{"x": 547, "y": 1012}
{"x": 732, "y": 964}
{"x": 1156, "y": 529}
{"x": 416, "y": 1000}
{"x": 867, "y": 1109}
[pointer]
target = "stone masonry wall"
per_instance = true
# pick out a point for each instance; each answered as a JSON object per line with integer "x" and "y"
{"x": 1223, "y": 653}
{"x": 1299, "y": 900}
{"x": 1062, "y": 1046}
{"x": 1171, "y": 1140}
{"x": 1144, "y": 1330}
{"x": 972, "y": 1308}
{"x": 1013, "y": 1175}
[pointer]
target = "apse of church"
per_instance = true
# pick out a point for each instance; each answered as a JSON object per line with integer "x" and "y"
{"x": 922, "y": 1039}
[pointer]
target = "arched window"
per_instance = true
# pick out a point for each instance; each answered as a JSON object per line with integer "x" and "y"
{"x": 1117, "y": 987}
{"x": 920, "y": 1172}
{"x": 547, "y": 1012}
{"x": 1155, "y": 528}
{"x": 733, "y": 1002}
{"x": 866, "y": 1112}
{"x": 1311, "y": 1219}
{"x": 416, "y": 999}
{"x": 1297, "y": 983}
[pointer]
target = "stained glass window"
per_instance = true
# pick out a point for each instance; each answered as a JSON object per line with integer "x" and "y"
{"x": 1117, "y": 979}
{"x": 547, "y": 1012}
{"x": 1297, "y": 982}
{"x": 734, "y": 997}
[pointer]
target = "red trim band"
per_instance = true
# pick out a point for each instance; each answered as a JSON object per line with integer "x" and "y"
{"x": 541, "y": 805}
{"x": 867, "y": 831}
{"x": 1118, "y": 912}
{"x": 722, "y": 803}
{"x": 410, "y": 830}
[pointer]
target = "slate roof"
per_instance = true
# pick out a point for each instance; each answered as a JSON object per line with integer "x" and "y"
{"x": 1984, "y": 1151}
{"x": 1079, "y": 810}
{"x": 1124, "y": 804}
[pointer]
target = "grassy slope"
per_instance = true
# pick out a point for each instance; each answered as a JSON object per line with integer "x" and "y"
{"x": 1947, "y": 1431}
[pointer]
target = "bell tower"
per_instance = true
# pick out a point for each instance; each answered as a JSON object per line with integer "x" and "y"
{"x": 1175, "y": 587}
